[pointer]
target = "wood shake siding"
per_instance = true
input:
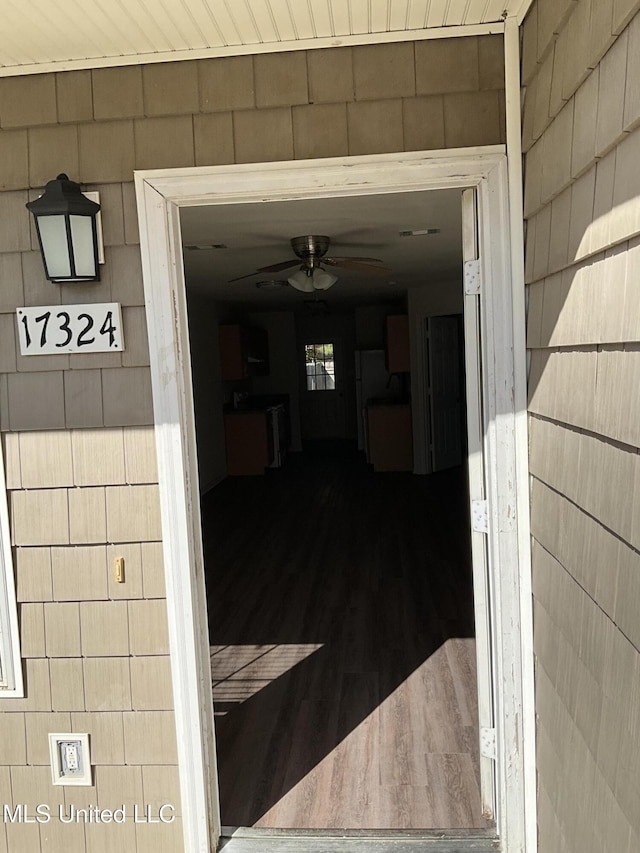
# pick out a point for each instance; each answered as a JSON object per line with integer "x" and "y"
{"x": 581, "y": 135}
{"x": 78, "y": 429}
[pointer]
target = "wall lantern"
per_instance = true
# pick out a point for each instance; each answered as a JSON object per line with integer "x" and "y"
{"x": 67, "y": 231}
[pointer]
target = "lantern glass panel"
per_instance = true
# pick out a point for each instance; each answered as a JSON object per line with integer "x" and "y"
{"x": 53, "y": 236}
{"x": 83, "y": 246}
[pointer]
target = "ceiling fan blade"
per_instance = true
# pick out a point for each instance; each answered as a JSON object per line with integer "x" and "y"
{"x": 337, "y": 258}
{"x": 283, "y": 265}
{"x": 240, "y": 277}
{"x": 357, "y": 265}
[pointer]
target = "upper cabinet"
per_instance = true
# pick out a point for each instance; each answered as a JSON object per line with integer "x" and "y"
{"x": 398, "y": 350}
{"x": 244, "y": 352}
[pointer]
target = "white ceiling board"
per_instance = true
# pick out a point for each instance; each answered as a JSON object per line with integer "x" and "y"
{"x": 51, "y": 35}
{"x": 207, "y": 25}
{"x": 21, "y": 29}
{"x": 303, "y": 21}
{"x": 341, "y": 16}
{"x": 456, "y": 12}
{"x": 473, "y": 13}
{"x": 263, "y": 21}
{"x": 495, "y": 10}
{"x": 178, "y": 16}
{"x": 245, "y": 28}
{"x": 399, "y": 14}
{"x": 379, "y": 15}
{"x": 280, "y": 13}
{"x": 146, "y": 27}
{"x": 322, "y": 20}
{"x": 320, "y": 12}
{"x": 417, "y": 14}
{"x": 359, "y": 17}
{"x": 258, "y": 235}
{"x": 87, "y": 20}
{"x": 436, "y": 16}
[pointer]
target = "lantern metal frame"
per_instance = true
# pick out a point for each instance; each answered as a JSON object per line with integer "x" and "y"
{"x": 64, "y": 198}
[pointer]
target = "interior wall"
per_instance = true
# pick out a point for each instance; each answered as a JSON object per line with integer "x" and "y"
{"x": 581, "y": 135}
{"x": 371, "y": 323}
{"x": 78, "y": 430}
{"x": 205, "y": 316}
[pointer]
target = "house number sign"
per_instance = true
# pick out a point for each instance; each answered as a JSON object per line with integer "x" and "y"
{"x": 50, "y": 329}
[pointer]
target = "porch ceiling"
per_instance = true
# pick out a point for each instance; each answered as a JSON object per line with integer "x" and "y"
{"x": 57, "y": 35}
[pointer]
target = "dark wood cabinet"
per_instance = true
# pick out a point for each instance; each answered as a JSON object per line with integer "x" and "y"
{"x": 390, "y": 437}
{"x": 244, "y": 352}
{"x": 248, "y": 441}
{"x": 398, "y": 350}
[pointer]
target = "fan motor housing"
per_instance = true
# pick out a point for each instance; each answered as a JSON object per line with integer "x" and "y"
{"x": 310, "y": 246}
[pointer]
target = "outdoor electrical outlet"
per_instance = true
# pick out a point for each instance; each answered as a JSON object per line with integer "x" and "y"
{"x": 71, "y": 757}
{"x": 70, "y": 761}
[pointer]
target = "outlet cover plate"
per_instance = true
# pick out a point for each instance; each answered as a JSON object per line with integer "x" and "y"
{"x": 60, "y": 775}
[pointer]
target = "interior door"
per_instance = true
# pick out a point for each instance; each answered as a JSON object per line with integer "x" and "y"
{"x": 323, "y": 411}
{"x": 444, "y": 392}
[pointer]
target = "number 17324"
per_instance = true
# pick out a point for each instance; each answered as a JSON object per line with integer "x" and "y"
{"x": 49, "y": 329}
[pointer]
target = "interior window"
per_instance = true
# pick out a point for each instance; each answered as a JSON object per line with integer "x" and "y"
{"x": 320, "y": 367}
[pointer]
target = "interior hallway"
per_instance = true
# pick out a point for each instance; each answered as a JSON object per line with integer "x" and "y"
{"x": 343, "y": 658}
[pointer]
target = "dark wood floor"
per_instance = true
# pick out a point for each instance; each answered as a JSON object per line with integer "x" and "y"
{"x": 342, "y": 648}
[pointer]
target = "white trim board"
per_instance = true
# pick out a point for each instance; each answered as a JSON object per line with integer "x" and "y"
{"x": 523, "y": 10}
{"x": 320, "y": 43}
{"x": 160, "y": 194}
{"x": 11, "y": 680}
{"x": 514, "y": 160}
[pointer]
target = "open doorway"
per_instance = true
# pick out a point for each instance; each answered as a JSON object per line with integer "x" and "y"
{"x": 339, "y": 581}
{"x": 497, "y": 497}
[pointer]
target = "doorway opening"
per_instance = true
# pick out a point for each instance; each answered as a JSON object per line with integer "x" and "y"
{"x": 342, "y": 648}
{"x": 339, "y": 581}
{"x": 500, "y": 442}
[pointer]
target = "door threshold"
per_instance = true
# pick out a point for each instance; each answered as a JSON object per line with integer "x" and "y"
{"x": 252, "y": 840}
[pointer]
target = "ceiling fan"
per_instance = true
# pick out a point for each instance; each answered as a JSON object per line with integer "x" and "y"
{"x": 312, "y": 251}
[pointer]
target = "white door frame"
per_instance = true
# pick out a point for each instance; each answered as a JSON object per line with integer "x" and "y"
{"x": 160, "y": 194}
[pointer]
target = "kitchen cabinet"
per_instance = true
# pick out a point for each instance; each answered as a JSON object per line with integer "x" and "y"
{"x": 390, "y": 437}
{"x": 248, "y": 442}
{"x": 244, "y": 352}
{"x": 398, "y": 350}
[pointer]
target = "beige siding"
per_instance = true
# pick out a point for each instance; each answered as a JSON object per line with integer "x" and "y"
{"x": 80, "y": 460}
{"x": 78, "y": 434}
{"x": 581, "y": 134}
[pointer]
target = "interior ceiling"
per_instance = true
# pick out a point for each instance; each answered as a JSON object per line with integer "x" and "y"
{"x": 258, "y": 235}
{"x": 45, "y": 35}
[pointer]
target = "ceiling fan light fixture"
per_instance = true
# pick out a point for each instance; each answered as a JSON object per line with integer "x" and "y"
{"x": 308, "y": 280}
{"x": 322, "y": 279}
{"x": 301, "y": 281}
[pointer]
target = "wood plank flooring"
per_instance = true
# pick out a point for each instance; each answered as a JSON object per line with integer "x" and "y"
{"x": 342, "y": 648}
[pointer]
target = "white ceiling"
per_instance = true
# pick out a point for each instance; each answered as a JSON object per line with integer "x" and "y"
{"x": 44, "y": 35}
{"x": 258, "y": 235}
